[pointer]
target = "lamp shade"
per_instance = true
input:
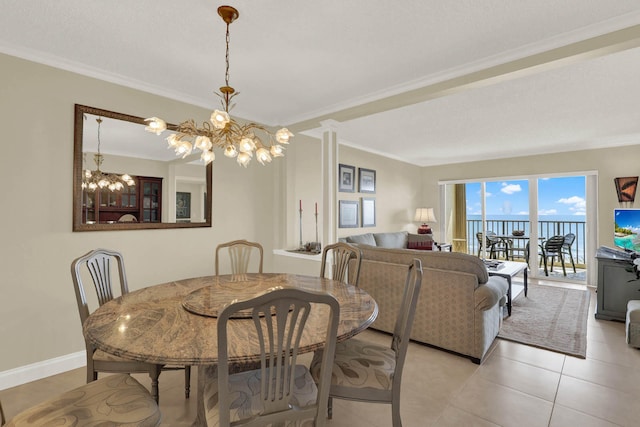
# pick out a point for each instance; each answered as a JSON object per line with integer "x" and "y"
{"x": 424, "y": 215}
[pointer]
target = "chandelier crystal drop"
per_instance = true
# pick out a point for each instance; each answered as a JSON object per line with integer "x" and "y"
{"x": 222, "y": 131}
{"x": 93, "y": 180}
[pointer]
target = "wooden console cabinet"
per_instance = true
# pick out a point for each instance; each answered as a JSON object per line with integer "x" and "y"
{"x": 617, "y": 284}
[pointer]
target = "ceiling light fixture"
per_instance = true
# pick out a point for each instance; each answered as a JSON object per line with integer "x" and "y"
{"x": 92, "y": 180}
{"x": 237, "y": 140}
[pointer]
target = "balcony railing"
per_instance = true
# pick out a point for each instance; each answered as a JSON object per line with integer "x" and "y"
{"x": 546, "y": 229}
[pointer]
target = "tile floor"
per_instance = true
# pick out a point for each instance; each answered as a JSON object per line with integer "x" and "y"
{"x": 516, "y": 385}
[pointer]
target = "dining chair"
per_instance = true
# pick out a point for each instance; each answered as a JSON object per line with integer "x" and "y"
{"x": 100, "y": 263}
{"x": 280, "y": 391}
{"x": 341, "y": 255}
{"x": 239, "y": 254}
{"x": 569, "y": 238}
{"x": 370, "y": 372}
{"x": 116, "y": 400}
{"x": 552, "y": 248}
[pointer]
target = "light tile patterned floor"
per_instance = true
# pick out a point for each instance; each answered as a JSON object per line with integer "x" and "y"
{"x": 517, "y": 385}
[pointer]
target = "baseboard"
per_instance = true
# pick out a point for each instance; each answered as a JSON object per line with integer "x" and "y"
{"x": 39, "y": 370}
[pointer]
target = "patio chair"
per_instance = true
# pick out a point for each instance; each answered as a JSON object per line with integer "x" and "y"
{"x": 566, "y": 248}
{"x": 98, "y": 263}
{"x": 280, "y": 392}
{"x": 368, "y": 372}
{"x": 342, "y": 253}
{"x": 240, "y": 254}
{"x": 552, "y": 248}
{"x": 116, "y": 400}
{"x": 493, "y": 244}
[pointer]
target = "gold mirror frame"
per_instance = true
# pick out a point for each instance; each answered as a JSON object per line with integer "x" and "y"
{"x": 78, "y": 225}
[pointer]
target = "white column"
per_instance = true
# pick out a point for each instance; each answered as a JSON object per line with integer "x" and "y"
{"x": 329, "y": 166}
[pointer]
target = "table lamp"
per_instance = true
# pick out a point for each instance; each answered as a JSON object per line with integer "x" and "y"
{"x": 424, "y": 215}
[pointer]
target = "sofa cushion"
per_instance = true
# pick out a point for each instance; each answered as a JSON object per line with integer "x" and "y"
{"x": 362, "y": 239}
{"x": 420, "y": 241}
{"x": 391, "y": 240}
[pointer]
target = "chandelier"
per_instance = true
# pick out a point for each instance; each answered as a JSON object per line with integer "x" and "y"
{"x": 92, "y": 180}
{"x": 237, "y": 140}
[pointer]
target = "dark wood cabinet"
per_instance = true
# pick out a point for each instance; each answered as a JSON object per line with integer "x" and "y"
{"x": 151, "y": 199}
{"x": 143, "y": 201}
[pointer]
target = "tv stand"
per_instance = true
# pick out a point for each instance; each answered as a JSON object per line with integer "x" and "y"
{"x": 617, "y": 283}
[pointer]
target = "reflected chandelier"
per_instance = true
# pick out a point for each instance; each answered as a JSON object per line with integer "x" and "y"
{"x": 92, "y": 180}
{"x": 239, "y": 141}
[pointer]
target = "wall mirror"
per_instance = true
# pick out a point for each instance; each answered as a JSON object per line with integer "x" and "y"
{"x": 159, "y": 190}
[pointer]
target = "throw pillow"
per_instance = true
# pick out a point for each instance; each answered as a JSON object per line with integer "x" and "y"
{"x": 396, "y": 240}
{"x": 362, "y": 239}
{"x": 420, "y": 241}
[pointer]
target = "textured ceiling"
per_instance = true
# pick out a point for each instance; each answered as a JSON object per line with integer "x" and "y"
{"x": 425, "y": 81}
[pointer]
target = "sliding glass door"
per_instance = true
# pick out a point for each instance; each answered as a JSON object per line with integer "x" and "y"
{"x": 523, "y": 214}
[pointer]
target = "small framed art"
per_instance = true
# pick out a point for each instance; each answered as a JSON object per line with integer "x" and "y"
{"x": 368, "y": 211}
{"x": 346, "y": 178}
{"x": 348, "y": 214}
{"x": 367, "y": 180}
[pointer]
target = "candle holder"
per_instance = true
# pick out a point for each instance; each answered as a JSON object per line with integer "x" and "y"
{"x": 301, "y": 245}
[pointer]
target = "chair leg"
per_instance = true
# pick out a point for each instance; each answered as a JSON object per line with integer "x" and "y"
{"x": 396, "y": 421}
{"x": 187, "y": 381}
{"x": 564, "y": 271}
{"x": 573, "y": 264}
{"x": 546, "y": 272}
{"x": 330, "y": 408}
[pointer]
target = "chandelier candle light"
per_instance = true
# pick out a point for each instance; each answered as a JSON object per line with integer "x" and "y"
{"x": 92, "y": 180}
{"x": 239, "y": 141}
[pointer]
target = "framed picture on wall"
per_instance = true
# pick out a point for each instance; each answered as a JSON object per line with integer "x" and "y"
{"x": 367, "y": 180}
{"x": 346, "y": 178}
{"x": 183, "y": 205}
{"x": 368, "y": 212}
{"x": 348, "y": 214}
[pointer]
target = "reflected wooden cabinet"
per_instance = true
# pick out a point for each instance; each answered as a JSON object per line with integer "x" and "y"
{"x": 140, "y": 203}
{"x": 151, "y": 200}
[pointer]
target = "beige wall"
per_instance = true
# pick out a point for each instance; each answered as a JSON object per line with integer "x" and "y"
{"x": 38, "y": 315}
{"x": 398, "y": 191}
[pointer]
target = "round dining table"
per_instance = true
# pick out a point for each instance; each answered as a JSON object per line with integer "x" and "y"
{"x": 175, "y": 323}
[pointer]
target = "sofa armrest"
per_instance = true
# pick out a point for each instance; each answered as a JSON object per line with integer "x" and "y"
{"x": 487, "y": 295}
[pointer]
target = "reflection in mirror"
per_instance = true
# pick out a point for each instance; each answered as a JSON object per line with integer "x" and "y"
{"x": 164, "y": 192}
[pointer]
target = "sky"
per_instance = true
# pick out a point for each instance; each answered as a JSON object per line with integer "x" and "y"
{"x": 563, "y": 196}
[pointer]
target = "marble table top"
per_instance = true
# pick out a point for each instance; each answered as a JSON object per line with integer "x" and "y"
{"x": 153, "y": 325}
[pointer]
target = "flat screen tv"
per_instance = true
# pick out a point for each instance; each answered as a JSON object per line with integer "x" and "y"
{"x": 626, "y": 234}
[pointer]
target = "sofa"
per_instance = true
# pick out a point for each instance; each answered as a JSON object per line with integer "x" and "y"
{"x": 398, "y": 240}
{"x": 460, "y": 307}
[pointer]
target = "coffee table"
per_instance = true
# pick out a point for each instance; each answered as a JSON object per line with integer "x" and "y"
{"x": 509, "y": 270}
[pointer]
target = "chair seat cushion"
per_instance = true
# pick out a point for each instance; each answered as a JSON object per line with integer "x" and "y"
{"x": 359, "y": 364}
{"x": 244, "y": 389}
{"x": 112, "y": 400}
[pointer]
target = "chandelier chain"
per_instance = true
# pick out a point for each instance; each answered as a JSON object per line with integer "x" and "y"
{"x": 226, "y": 75}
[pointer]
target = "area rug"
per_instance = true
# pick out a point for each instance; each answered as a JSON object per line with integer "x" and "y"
{"x": 550, "y": 317}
